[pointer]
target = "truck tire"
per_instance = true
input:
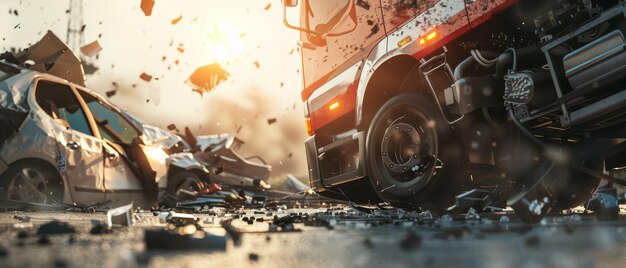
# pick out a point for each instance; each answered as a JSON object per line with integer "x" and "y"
{"x": 411, "y": 155}
{"x": 31, "y": 181}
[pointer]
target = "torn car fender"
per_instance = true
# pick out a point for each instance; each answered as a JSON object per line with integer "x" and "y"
{"x": 184, "y": 161}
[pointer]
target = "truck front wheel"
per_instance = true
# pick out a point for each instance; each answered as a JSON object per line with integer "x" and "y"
{"x": 411, "y": 156}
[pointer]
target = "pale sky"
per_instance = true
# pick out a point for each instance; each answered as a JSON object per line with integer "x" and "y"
{"x": 133, "y": 43}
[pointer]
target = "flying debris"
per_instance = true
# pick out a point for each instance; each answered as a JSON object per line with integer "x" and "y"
{"x": 206, "y": 78}
{"x": 145, "y": 77}
{"x": 50, "y": 55}
{"x": 176, "y": 20}
{"x": 146, "y": 7}
{"x": 91, "y": 49}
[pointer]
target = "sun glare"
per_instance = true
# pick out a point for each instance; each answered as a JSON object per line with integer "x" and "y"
{"x": 225, "y": 43}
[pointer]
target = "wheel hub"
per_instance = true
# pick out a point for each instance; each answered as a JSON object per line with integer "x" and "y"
{"x": 28, "y": 185}
{"x": 402, "y": 149}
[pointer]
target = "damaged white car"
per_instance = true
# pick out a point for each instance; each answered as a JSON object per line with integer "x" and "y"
{"x": 60, "y": 142}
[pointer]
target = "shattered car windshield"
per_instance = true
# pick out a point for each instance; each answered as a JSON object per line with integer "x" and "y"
{"x": 112, "y": 125}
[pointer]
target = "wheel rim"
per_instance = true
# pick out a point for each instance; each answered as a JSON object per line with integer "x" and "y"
{"x": 406, "y": 153}
{"x": 189, "y": 184}
{"x": 29, "y": 185}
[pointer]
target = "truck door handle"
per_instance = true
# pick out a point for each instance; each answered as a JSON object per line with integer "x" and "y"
{"x": 72, "y": 145}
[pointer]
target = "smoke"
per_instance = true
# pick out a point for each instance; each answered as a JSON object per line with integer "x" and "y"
{"x": 245, "y": 112}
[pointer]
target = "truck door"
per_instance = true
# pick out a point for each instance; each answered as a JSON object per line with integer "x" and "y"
{"x": 324, "y": 55}
{"x": 80, "y": 153}
{"x": 398, "y": 12}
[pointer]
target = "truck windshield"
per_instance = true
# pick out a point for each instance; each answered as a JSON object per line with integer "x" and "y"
{"x": 323, "y": 15}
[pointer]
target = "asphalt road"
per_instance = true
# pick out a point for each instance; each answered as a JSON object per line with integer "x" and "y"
{"x": 354, "y": 240}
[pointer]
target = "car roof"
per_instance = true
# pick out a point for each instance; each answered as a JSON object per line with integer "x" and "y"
{"x": 13, "y": 90}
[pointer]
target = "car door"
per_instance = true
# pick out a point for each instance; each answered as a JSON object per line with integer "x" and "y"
{"x": 120, "y": 176}
{"x": 79, "y": 151}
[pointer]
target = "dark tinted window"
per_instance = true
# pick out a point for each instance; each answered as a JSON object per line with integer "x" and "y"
{"x": 112, "y": 125}
{"x": 59, "y": 102}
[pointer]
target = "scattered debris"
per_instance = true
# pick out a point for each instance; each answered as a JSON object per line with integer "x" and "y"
{"x": 472, "y": 214}
{"x": 284, "y": 224}
{"x": 22, "y": 218}
{"x": 257, "y": 64}
{"x": 605, "y": 204}
{"x": 253, "y": 257}
{"x": 425, "y": 216}
{"x": 121, "y": 216}
{"x": 145, "y": 77}
{"x": 173, "y": 240}
{"x": 476, "y": 198}
{"x": 99, "y": 227}
{"x": 176, "y": 20}
{"x": 91, "y": 49}
{"x": 267, "y": 7}
{"x": 146, "y": 7}
{"x": 271, "y": 121}
{"x": 179, "y": 219}
{"x": 364, "y": 4}
{"x": 55, "y": 227}
{"x": 411, "y": 240}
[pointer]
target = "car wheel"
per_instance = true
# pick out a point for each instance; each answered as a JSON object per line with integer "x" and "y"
{"x": 410, "y": 152}
{"x": 184, "y": 180}
{"x": 31, "y": 182}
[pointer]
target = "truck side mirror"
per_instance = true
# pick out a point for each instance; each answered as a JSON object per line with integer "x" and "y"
{"x": 290, "y": 3}
{"x": 319, "y": 35}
